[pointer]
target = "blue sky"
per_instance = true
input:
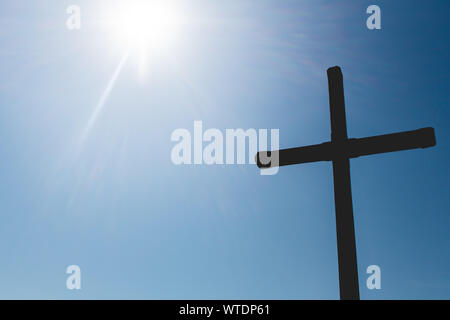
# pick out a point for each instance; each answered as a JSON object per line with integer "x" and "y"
{"x": 142, "y": 228}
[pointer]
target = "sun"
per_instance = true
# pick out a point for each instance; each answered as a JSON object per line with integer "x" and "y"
{"x": 151, "y": 25}
{"x": 138, "y": 28}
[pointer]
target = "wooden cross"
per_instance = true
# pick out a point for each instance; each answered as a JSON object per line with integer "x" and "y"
{"x": 340, "y": 150}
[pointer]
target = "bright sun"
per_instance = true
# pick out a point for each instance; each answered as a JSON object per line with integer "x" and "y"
{"x": 137, "y": 27}
{"x": 150, "y": 25}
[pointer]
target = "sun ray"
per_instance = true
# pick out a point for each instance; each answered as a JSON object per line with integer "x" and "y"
{"x": 104, "y": 97}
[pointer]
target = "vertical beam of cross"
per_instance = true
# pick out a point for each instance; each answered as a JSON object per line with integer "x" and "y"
{"x": 345, "y": 230}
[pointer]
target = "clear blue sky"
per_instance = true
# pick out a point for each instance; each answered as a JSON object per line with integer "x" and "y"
{"x": 140, "y": 227}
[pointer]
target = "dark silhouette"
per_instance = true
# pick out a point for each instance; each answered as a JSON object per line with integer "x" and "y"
{"x": 339, "y": 150}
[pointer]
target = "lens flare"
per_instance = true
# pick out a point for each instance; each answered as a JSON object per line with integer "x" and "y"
{"x": 144, "y": 25}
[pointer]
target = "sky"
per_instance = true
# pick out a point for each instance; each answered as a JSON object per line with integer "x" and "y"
{"x": 85, "y": 151}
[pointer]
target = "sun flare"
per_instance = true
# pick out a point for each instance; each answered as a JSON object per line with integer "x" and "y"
{"x": 144, "y": 25}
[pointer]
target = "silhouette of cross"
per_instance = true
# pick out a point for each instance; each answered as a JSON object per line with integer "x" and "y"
{"x": 340, "y": 150}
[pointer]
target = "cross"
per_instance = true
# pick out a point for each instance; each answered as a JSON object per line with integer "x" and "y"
{"x": 340, "y": 150}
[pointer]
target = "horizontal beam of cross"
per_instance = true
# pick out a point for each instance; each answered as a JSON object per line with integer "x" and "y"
{"x": 350, "y": 148}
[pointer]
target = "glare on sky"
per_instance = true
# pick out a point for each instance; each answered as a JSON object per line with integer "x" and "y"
{"x": 142, "y": 29}
{"x": 144, "y": 25}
